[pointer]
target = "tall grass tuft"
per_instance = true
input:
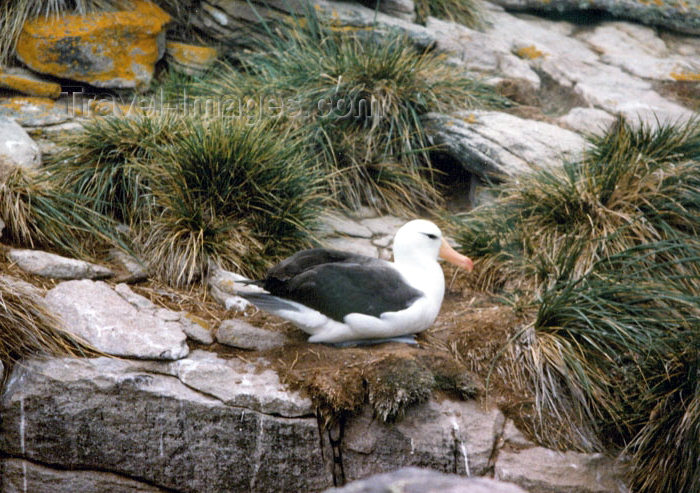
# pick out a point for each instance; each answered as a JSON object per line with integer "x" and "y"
{"x": 241, "y": 196}
{"x": 360, "y": 98}
{"x": 634, "y": 186}
{"x": 28, "y": 328}
{"x": 469, "y": 13}
{"x": 37, "y": 213}
{"x": 108, "y": 162}
{"x": 607, "y": 251}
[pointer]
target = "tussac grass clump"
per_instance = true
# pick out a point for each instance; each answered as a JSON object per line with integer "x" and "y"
{"x": 37, "y": 214}
{"x": 237, "y": 195}
{"x": 360, "y": 98}
{"x": 633, "y": 186}
{"x": 607, "y": 252}
{"x": 28, "y": 328}
{"x": 469, "y": 13}
{"x": 108, "y": 162}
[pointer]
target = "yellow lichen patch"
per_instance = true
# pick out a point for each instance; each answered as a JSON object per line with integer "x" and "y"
{"x": 190, "y": 59}
{"x": 27, "y": 84}
{"x": 471, "y": 118}
{"x": 111, "y": 108}
{"x": 529, "y": 52}
{"x": 198, "y": 320}
{"x": 685, "y": 76}
{"x": 105, "y": 49}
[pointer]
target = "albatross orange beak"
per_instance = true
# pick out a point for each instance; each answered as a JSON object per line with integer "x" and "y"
{"x": 455, "y": 258}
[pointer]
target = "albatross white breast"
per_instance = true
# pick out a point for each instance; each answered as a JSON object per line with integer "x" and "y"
{"x": 339, "y": 297}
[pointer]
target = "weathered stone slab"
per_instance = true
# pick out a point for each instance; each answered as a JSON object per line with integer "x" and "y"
{"x": 105, "y": 49}
{"x": 98, "y": 314}
{"x": 20, "y": 476}
{"x": 490, "y": 142}
{"x": 548, "y": 471}
{"x": 680, "y": 16}
{"x": 360, "y": 246}
{"x": 445, "y": 436}
{"x": 588, "y": 120}
{"x": 336, "y": 223}
{"x": 127, "y": 418}
{"x": 26, "y": 82}
{"x": 36, "y": 112}
{"x": 190, "y": 59}
{"x": 415, "y": 480}
{"x": 16, "y": 147}
{"x": 54, "y": 266}
{"x": 239, "y": 333}
{"x": 194, "y": 328}
{"x": 237, "y": 383}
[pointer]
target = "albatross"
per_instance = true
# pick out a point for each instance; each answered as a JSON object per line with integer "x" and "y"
{"x": 343, "y": 298}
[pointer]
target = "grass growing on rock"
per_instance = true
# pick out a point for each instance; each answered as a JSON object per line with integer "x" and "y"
{"x": 360, "y": 98}
{"x": 604, "y": 255}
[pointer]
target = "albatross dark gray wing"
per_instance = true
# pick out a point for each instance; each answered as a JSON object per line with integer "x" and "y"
{"x": 338, "y": 283}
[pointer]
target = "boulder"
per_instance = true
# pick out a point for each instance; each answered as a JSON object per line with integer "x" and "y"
{"x": 19, "y": 476}
{"x": 130, "y": 419}
{"x": 680, "y": 16}
{"x": 638, "y": 50}
{"x": 587, "y": 120}
{"x": 447, "y": 436}
{"x": 24, "y": 81}
{"x": 403, "y": 9}
{"x": 54, "y": 266}
{"x": 98, "y": 314}
{"x": 37, "y": 112}
{"x": 360, "y": 246}
{"x": 415, "y": 480}
{"x": 548, "y": 471}
{"x": 239, "y": 333}
{"x": 238, "y": 383}
{"x": 16, "y": 147}
{"x": 190, "y": 59}
{"x": 104, "y": 49}
{"x": 490, "y": 143}
{"x": 136, "y": 268}
{"x": 195, "y": 328}
{"x": 343, "y": 225}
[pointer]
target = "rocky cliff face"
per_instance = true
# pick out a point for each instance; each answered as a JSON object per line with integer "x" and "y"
{"x": 206, "y": 424}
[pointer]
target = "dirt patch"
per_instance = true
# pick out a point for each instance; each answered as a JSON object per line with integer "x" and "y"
{"x": 686, "y": 93}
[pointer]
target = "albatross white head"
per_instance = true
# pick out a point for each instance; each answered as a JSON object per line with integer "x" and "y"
{"x": 421, "y": 241}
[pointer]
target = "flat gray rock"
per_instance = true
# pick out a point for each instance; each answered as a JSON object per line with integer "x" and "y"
{"x": 36, "y": 112}
{"x": 237, "y": 383}
{"x": 19, "y": 476}
{"x": 16, "y": 147}
{"x": 239, "y": 333}
{"x": 489, "y": 142}
{"x": 98, "y": 314}
{"x": 342, "y": 225}
{"x": 136, "y": 269}
{"x": 415, "y": 480}
{"x": 545, "y": 470}
{"x": 187, "y": 322}
{"x": 683, "y": 17}
{"x": 384, "y": 225}
{"x": 54, "y": 266}
{"x": 588, "y": 120}
{"x": 360, "y": 246}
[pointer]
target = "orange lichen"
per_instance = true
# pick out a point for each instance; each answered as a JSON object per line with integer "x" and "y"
{"x": 529, "y": 52}
{"x": 191, "y": 56}
{"x": 685, "y": 76}
{"x": 29, "y": 85}
{"x": 107, "y": 49}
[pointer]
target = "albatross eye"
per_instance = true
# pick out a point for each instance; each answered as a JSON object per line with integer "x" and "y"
{"x": 431, "y": 236}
